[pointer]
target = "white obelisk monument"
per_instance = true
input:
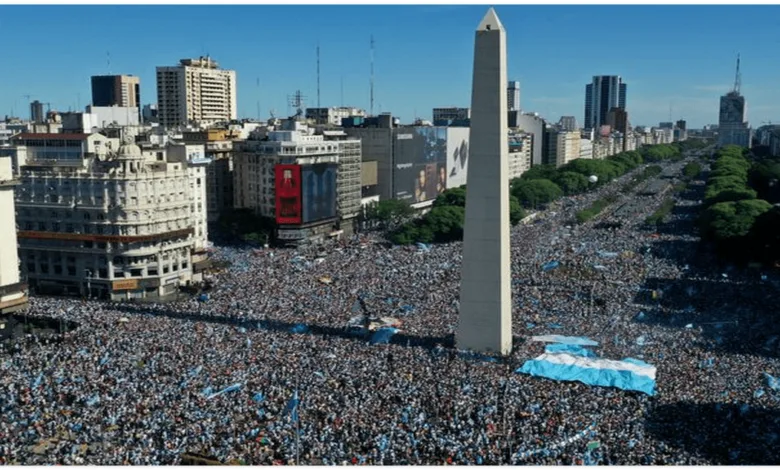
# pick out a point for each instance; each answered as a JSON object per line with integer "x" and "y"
{"x": 485, "y": 297}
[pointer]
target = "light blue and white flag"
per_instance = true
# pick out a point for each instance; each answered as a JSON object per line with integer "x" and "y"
{"x": 579, "y": 340}
{"x": 628, "y": 374}
{"x": 292, "y": 406}
{"x": 231, "y": 388}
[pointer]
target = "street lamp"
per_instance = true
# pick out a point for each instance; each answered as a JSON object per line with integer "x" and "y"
{"x": 89, "y": 285}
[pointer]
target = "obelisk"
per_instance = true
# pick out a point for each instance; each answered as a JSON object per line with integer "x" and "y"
{"x": 485, "y": 323}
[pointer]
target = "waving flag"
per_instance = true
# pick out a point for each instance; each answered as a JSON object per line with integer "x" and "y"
{"x": 292, "y": 406}
{"x": 628, "y": 374}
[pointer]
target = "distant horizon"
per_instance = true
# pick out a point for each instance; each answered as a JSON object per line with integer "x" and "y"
{"x": 422, "y": 56}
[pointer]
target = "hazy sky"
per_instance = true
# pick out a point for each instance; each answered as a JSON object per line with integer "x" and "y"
{"x": 683, "y": 56}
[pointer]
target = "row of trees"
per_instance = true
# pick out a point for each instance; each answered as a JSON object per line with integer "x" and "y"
{"x": 742, "y": 226}
{"x": 544, "y": 184}
{"x": 535, "y": 189}
{"x": 444, "y": 222}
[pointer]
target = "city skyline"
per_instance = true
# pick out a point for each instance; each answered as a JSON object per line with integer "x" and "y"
{"x": 414, "y": 72}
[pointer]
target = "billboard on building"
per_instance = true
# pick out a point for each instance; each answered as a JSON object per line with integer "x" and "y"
{"x": 420, "y": 171}
{"x": 288, "y": 194}
{"x": 318, "y": 191}
{"x": 457, "y": 156}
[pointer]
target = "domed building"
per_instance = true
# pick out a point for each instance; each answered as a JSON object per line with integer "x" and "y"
{"x": 119, "y": 225}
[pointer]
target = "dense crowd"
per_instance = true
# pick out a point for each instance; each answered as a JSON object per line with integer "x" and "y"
{"x": 137, "y": 383}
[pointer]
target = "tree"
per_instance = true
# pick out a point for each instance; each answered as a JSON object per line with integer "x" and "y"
{"x": 765, "y": 237}
{"x": 691, "y": 170}
{"x": 451, "y": 197}
{"x": 571, "y": 182}
{"x": 537, "y": 192}
{"x": 733, "y": 219}
{"x": 516, "y": 212}
{"x": 445, "y": 223}
{"x": 764, "y": 177}
{"x": 392, "y": 212}
{"x": 537, "y": 172}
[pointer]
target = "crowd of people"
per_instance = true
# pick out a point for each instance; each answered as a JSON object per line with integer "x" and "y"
{"x": 219, "y": 376}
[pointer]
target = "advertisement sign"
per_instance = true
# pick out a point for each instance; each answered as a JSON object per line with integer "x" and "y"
{"x": 288, "y": 194}
{"x": 127, "y": 284}
{"x": 288, "y": 234}
{"x": 318, "y": 192}
{"x": 457, "y": 156}
{"x": 420, "y": 171}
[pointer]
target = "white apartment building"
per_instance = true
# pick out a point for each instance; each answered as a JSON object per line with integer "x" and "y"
{"x": 13, "y": 292}
{"x": 333, "y": 116}
{"x": 105, "y": 116}
{"x": 195, "y": 92}
{"x": 586, "y": 148}
{"x": 193, "y": 156}
{"x": 120, "y": 226}
{"x": 520, "y": 154}
{"x": 255, "y": 159}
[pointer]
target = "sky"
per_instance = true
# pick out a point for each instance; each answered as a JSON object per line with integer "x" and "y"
{"x": 681, "y": 57}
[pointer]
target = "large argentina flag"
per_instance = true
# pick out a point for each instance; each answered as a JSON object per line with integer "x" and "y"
{"x": 581, "y": 365}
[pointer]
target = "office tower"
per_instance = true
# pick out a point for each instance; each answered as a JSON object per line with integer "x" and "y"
{"x": 195, "y": 92}
{"x": 36, "y": 112}
{"x": 485, "y": 291}
{"x": 116, "y": 90}
{"x": 513, "y": 96}
{"x": 604, "y": 93}
{"x": 733, "y": 128}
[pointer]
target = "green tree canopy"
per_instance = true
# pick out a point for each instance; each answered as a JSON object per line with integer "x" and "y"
{"x": 571, "y": 182}
{"x": 516, "y": 212}
{"x": 536, "y": 193}
{"x": 451, "y": 197}
{"x": 537, "y": 172}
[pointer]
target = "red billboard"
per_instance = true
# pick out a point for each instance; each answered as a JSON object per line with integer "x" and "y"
{"x": 288, "y": 194}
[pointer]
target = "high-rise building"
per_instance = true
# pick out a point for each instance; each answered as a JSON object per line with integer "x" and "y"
{"x": 36, "y": 112}
{"x": 13, "y": 292}
{"x": 513, "y": 96}
{"x": 617, "y": 120}
{"x": 485, "y": 318}
{"x": 309, "y": 184}
{"x": 195, "y": 92}
{"x": 116, "y": 90}
{"x": 604, "y": 93}
{"x": 682, "y": 125}
{"x": 568, "y": 123}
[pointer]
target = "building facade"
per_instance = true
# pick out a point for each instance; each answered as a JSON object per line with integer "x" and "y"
{"x": 445, "y": 116}
{"x": 333, "y": 116}
{"x": 297, "y": 148}
{"x": 13, "y": 291}
{"x": 520, "y": 154}
{"x": 218, "y": 145}
{"x": 602, "y": 94}
{"x": 36, "y": 112}
{"x": 513, "y": 96}
{"x": 116, "y": 90}
{"x": 195, "y": 92}
{"x": 733, "y": 128}
{"x": 568, "y": 123}
{"x": 118, "y": 226}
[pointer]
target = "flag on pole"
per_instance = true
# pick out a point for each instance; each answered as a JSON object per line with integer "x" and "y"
{"x": 292, "y": 406}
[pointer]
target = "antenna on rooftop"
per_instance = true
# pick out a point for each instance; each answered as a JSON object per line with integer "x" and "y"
{"x": 297, "y": 101}
{"x": 342, "y": 91}
{"x": 318, "y": 75}
{"x": 670, "y": 111}
{"x": 737, "y": 78}
{"x": 108, "y": 61}
{"x": 371, "y": 107}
